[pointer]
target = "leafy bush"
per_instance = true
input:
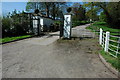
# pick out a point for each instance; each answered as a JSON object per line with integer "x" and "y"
{"x": 77, "y": 23}
{"x": 55, "y": 26}
{"x": 10, "y": 28}
{"x": 15, "y": 25}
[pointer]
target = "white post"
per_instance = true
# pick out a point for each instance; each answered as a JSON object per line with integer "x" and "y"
{"x": 107, "y": 41}
{"x": 100, "y": 36}
{"x": 118, "y": 47}
{"x": 67, "y": 26}
{"x": 41, "y": 24}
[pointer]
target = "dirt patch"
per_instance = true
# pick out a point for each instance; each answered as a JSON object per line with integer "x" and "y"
{"x": 86, "y": 45}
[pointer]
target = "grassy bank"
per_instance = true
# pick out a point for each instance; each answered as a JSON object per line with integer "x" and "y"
{"x": 97, "y": 25}
{"x": 115, "y": 62}
{"x": 7, "y": 39}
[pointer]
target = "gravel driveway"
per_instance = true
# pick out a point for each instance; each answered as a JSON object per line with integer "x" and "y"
{"x": 44, "y": 57}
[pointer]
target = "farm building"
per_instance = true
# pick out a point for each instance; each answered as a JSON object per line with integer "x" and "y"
{"x": 41, "y": 23}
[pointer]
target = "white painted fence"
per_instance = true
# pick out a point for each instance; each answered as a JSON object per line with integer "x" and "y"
{"x": 104, "y": 40}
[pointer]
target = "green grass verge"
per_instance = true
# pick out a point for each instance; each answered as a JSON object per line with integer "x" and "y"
{"x": 7, "y": 39}
{"x": 97, "y": 25}
{"x": 115, "y": 62}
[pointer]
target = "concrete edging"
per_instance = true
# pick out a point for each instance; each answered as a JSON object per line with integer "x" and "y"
{"x": 108, "y": 65}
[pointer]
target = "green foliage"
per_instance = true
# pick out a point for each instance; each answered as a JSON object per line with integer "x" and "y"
{"x": 91, "y": 11}
{"x": 48, "y": 9}
{"x": 30, "y": 5}
{"x": 78, "y": 12}
{"x": 113, "y": 61}
{"x": 6, "y": 23}
{"x": 102, "y": 17}
{"x": 55, "y": 26}
{"x": 15, "y": 24}
{"x": 110, "y": 12}
{"x": 114, "y": 12}
{"x": 6, "y": 26}
{"x": 77, "y": 23}
{"x": 97, "y": 25}
{"x": 57, "y": 22}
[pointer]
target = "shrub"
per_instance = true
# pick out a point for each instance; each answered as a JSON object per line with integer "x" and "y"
{"x": 77, "y": 23}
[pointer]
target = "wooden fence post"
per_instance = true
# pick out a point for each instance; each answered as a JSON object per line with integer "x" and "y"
{"x": 100, "y": 36}
{"x": 107, "y": 41}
